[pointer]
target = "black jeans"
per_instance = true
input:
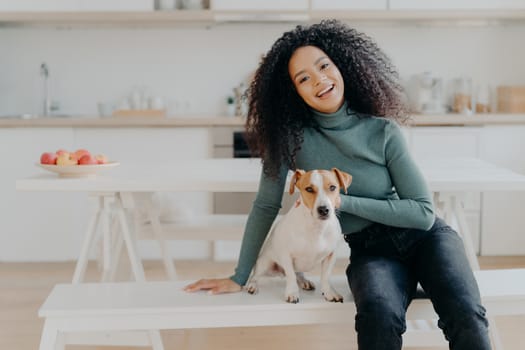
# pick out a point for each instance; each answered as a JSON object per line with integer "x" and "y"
{"x": 386, "y": 265}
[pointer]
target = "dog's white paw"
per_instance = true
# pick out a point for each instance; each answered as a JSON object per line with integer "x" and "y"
{"x": 291, "y": 295}
{"x": 292, "y": 298}
{"x": 332, "y": 296}
{"x": 306, "y": 284}
{"x": 252, "y": 288}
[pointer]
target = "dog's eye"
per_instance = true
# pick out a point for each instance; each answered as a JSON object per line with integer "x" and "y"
{"x": 333, "y": 188}
{"x": 309, "y": 189}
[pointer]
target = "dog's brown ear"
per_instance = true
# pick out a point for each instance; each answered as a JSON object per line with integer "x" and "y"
{"x": 344, "y": 179}
{"x": 295, "y": 177}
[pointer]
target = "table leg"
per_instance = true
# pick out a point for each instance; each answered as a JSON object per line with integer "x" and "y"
{"x": 158, "y": 232}
{"x": 453, "y": 213}
{"x": 89, "y": 239}
{"x": 136, "y": 262}
{"x": 106, "y": 241}
{"x": 459, "y": 213}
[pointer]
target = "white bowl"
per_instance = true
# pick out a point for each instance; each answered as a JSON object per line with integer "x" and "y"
{"x": 78, "y": 170}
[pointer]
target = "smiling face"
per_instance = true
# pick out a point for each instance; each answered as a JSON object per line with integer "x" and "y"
{"x": 317, "y": 79}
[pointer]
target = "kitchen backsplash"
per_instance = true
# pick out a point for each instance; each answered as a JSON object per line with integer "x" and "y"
{"x": 194, "y": 69}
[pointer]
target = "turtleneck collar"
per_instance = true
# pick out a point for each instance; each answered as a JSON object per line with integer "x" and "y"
{"x": 341, "y": 118}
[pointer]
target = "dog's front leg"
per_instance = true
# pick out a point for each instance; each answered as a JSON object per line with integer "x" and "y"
{"x": 329, "y": 293}
{"x": 291, "y": 293}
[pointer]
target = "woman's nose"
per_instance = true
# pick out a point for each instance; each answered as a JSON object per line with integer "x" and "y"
{"x": 319, "y": 78}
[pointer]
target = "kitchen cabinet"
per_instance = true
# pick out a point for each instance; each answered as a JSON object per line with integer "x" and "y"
{"x": 39, "y": 226}
{"x": 456, "y": 4}
{"x": 36, "y": 226}
{"x": 75, "y": 5}
{"x": 349, "y": 5}
{"x": 429, "y": 142}
{"x": 503, "y": 231}
{"x": 268, "y": 5}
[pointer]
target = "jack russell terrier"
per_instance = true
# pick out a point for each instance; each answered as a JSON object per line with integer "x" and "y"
{"x": 306, "y": 236}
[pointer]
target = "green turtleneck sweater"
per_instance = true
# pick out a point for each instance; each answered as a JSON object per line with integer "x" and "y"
{"x": 387, "y": 186}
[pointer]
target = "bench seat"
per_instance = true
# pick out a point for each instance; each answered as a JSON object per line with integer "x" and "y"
{"x": 150, "y": 306}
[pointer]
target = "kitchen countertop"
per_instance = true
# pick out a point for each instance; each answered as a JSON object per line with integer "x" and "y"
{"x": 200, "y": 121}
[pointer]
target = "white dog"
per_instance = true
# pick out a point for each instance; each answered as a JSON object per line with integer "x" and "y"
{"x": 306, "y": 236}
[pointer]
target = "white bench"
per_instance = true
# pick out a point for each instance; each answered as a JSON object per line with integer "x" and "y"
{"x": 73, "y": 309}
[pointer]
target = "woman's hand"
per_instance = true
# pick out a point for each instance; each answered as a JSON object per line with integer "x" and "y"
{"x": 214, "y": 286}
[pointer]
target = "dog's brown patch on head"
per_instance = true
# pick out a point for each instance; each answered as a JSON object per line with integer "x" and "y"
{"x": 312, "y": 182}
{"x": 308, "y": 188}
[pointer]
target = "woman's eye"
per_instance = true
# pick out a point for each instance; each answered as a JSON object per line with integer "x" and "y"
{"x": 324, "y": 66}
{"x": 309, "y": 189}
{"x": 333, "y": 188}
{"x": 303, "y": 79}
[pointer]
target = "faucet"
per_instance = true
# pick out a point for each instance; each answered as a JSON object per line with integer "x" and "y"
{"x": 44, "y": 72}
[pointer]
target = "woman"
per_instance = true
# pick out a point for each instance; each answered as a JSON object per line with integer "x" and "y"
{"x": 326, "y": 96}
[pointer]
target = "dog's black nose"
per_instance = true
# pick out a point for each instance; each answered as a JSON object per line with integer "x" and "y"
{"x": 323, "y": 210}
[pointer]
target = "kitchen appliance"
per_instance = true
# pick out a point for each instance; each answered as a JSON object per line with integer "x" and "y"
{"x": 426, "y": 93}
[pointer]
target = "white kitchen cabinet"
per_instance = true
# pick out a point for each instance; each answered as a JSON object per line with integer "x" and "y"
{"x": 268, "y": 5}
{"x": 428, "y": 142}
{"x": 75, "y": 5}
{"x": 349, "y": 4}
{"x": 456, "y": 4}
{"x": 38, "y": 5}
{"x": 503, "y": 230}
{"x": 36, "y": 226}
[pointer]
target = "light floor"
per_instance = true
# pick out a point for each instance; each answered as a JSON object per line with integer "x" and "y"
{"x": 24, "y": 286}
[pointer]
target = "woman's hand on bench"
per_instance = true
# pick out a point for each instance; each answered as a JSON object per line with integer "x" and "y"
{"x": 214, "y": 286}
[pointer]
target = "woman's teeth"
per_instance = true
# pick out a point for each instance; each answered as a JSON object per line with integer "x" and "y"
{"x": 328, "y": 89}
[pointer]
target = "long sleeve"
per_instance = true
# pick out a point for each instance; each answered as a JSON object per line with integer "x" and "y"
{"x": 264, "y": 211}
{"x": 413, "y": 208}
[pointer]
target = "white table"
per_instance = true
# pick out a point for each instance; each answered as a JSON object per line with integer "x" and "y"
{"x": 448, "y": 179}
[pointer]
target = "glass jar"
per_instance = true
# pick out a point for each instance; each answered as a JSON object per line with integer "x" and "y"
{"x": 462, "y": 96}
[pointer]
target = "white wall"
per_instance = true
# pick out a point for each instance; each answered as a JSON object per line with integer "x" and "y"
{"x": 195, "y": 67}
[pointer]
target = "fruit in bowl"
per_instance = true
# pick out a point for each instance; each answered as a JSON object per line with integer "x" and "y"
{"x": 66, "y": 159}
{"x": 87, "y": 159}
{"x": 81, "y": 156}
{"x": 48, "y": 158}
{"x": 80, "y": 163}
{"x": 101, "y": 159}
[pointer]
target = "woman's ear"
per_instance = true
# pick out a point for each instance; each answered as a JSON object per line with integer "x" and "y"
{"x": 344, "y": 179}
{"x": 295, "y": 177}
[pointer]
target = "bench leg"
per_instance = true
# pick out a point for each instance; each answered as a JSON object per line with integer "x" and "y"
{"x": 156, "y": 340}
{"x": 49, "y": 338}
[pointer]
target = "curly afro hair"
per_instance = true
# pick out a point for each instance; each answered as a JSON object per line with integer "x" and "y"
{"x": 277, "y": 115}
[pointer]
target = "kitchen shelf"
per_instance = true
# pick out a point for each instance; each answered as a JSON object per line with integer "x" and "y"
{"x": 210, "y": 17}
{"x": 222, "y": 121}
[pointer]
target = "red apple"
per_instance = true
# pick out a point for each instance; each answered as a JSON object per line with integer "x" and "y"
{"x": 101, "y": 158}
{"x": 87, "y": 159}
{"x": 66, "y": 159}
{"x": 48, "y": 158}
{"x": 61, "y": 151}
{"x": 81, "y": 152}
